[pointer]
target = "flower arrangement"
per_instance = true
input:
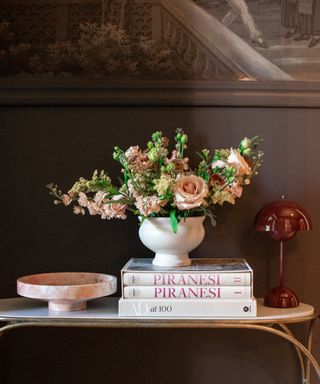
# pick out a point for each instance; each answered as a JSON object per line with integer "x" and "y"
{"x": 158, "y": 182}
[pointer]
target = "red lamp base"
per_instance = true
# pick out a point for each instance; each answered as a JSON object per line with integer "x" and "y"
{"x": 281, "y": 297}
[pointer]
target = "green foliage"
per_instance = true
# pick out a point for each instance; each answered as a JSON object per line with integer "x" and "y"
{"x": 174, "y": 221}
{"x": 99, "y": 181}
{"x": 103, "y": 50}
{"x": 152, "y": 59}
{"x": 62, "y": 57}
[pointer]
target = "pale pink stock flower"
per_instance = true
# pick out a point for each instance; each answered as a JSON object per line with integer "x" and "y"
{"x": 132, "y": 190}
{"x": 99, "y": 197}
{"x": 66, "y": 199}
{"x": 235, "y": 190}
{"x": 83, "y": 199}
{"x": 179, "y": 164}
{"x": 94, "y": 208}
{"x": 190, "y": 192}
{"x": 132, "y": 153}
{"x": 138, "y": 160}
{"x": 115, "y": 210}
{"x": 149, "y": 204}
{"x": 78, "y": 210}
{"x": 237, "y": 161}
{"x": 142, "y": 163}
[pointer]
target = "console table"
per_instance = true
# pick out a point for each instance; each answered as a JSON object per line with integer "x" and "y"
{"x": 21, "y": 312}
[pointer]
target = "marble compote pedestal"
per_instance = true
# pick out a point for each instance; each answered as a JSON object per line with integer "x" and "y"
{"x": 67, "y": 291}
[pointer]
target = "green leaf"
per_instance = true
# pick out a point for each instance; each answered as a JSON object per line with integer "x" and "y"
{"x": 174, "y": 221}
{"x": 126, "y": 178}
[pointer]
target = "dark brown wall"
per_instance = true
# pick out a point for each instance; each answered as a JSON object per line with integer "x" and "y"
{"x": 43, "y": 144}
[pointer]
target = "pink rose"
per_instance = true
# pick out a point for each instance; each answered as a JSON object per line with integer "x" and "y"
{"x": 190, "y": 192}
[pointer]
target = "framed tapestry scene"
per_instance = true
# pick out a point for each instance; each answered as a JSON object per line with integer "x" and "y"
{"x": 198, "y": 52}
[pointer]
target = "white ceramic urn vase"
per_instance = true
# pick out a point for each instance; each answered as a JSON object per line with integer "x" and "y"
{"x": 172, "y": 249}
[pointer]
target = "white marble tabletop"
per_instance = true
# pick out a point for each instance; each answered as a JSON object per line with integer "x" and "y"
{"x": 106, "y": 309}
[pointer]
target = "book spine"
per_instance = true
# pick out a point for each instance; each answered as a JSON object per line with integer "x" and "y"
{"x": 188, "y": 308}
{"x": 186, "y": 292}
{"x": 238, "y": 279}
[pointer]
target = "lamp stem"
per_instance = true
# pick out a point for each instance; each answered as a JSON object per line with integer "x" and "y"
{"x": 281, "y": 265}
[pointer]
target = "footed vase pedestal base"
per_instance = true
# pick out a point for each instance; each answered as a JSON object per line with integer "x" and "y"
{"x": 164, "y": 260}
{"x": 172, "y": 249}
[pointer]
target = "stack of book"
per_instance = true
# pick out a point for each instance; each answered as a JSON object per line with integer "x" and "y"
{"x": 206, "y": 288}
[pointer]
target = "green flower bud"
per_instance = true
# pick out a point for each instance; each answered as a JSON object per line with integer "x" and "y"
{"x": 245, "y": 143}
{"x": 156, "y": 135}
{"x": 153, "y": 155}
{"x": 184, "y": 139}
{"x": 205, "y": 153}
{"x": 170, "y": 167}
{"x": 116, "y": 153}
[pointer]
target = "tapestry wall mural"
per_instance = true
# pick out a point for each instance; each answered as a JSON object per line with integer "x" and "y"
{"x": 268, "y": 40}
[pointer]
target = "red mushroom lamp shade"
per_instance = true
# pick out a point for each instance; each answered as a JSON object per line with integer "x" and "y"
{"x": 282, "y": 219}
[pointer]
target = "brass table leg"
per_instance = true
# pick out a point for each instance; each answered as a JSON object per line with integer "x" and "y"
{"x": 285, "y": 333}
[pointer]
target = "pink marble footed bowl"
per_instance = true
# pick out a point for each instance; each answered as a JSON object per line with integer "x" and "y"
{"x": 66, "y": 291}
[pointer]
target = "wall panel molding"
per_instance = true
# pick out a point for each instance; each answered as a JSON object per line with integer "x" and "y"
{"x": 186, "y": 93}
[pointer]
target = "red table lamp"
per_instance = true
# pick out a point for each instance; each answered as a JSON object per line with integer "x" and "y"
{"x": 282, "y": 219}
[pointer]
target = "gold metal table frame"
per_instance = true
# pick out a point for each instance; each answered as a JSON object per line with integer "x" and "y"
{"x": 103, "y": 313}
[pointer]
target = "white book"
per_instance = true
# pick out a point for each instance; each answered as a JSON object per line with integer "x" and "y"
{"x": 196, "y": 278}
{"x": 239, "y": 308}
{"x": 203, "y": 271}
{"x": 187, "y": 292}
